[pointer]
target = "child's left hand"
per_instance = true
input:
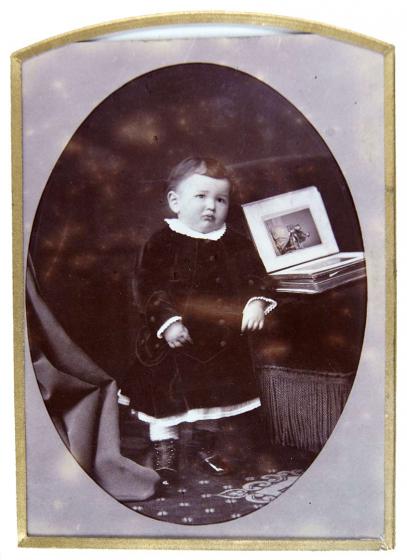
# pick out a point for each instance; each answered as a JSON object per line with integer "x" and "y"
{"x": 253, "y": 316}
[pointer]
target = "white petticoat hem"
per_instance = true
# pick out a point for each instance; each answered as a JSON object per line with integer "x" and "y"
{"x": 197, "y": 414}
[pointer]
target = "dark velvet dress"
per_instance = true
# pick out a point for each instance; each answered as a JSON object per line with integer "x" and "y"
{"x": 207, "y": 283}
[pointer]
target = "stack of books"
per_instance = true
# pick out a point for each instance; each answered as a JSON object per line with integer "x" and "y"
{"x": 321, "y": 275}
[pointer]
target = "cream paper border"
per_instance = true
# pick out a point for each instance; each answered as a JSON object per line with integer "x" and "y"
{"x": 184, "y": 18}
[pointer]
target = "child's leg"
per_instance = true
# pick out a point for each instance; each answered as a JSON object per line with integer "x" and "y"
{"x": 159, "y": 433}
{"x": 165, "y": 445}
{"x": 207, "y": 435}
{"x": 208, "y": 425}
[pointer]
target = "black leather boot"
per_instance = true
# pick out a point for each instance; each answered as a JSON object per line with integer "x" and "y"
{"x": 204, "y": 443}
{"x": 165, "y": 460}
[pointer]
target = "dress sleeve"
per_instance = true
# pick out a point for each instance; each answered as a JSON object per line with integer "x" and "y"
{"x": 254, "y": 280}
{"x": 153, "y": 283}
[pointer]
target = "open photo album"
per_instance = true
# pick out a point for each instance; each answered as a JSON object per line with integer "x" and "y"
{"x": 297, "y": 245}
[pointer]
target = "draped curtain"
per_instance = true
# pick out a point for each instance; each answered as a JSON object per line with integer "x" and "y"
{"x": 81, "y": 400}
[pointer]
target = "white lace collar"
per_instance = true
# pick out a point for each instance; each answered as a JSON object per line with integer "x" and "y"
{"x": 176, "y": 225}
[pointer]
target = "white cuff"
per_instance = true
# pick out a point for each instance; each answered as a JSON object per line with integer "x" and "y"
{"x": 272, "y": 303}
{"x": 167, "y": 323}
{"x": 122, "y": 399}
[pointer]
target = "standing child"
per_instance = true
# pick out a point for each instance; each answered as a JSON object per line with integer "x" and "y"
{"x": 201, "y": 289}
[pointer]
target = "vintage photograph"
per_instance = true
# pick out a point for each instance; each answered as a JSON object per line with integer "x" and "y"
{"x": 291, "y": 228}
{"x": 188, "y": 369}
{"x": 288, "y": 234}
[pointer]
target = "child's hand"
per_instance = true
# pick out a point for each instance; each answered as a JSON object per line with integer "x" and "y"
{"x": 253, "y": 316}
{"x": 177, "y": 335}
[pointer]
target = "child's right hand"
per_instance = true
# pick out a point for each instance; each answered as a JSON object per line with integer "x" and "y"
{"x": 177, "y": 335}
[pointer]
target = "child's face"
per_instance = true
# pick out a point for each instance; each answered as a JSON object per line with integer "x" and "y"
{"x": 201, "y": 202}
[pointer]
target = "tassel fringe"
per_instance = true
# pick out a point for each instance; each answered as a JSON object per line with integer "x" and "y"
{"x": 302, "y": 407}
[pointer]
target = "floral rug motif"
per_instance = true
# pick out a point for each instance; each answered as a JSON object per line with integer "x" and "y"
{"x": 263, "y": 491}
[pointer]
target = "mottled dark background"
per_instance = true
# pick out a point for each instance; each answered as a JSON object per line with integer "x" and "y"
{"x": 105, "y": 195}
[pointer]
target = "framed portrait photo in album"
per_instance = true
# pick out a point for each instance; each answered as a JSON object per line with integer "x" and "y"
{"x": 204, "y": 285}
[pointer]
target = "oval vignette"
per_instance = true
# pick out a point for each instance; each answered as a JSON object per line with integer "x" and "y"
{"x": 104, "y": 199}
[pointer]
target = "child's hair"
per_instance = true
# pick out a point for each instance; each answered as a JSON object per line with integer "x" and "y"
{"x": 202, "y": 166}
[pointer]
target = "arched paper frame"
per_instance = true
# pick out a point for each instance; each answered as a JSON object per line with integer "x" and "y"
{"x": 377, "y": 229}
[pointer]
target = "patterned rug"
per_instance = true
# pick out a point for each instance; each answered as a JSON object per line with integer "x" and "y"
{"x": 262, "y": 473}
{"x": 208, "y": 499}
